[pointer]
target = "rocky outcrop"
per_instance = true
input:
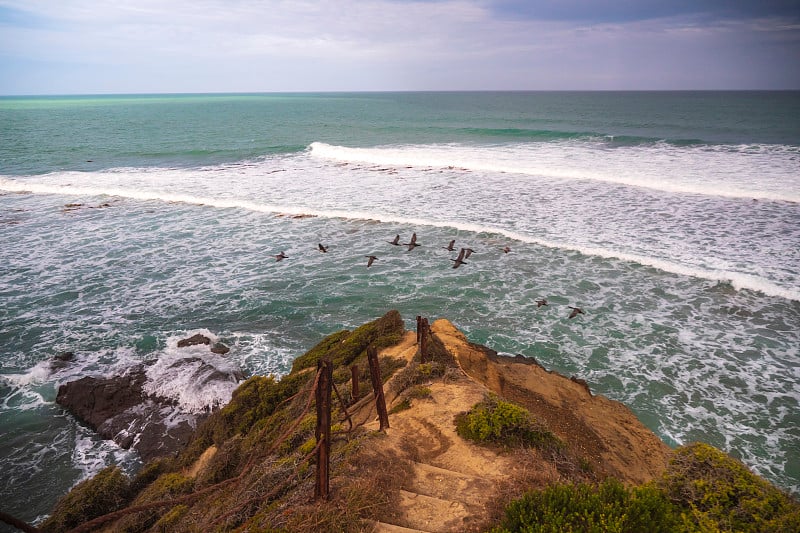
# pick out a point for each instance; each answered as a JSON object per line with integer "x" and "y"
{"x": 119, "y": 409}
{"x": 197, "y": 338}
{"x": 157, "y": 414}
{"x": 604, "y": 431}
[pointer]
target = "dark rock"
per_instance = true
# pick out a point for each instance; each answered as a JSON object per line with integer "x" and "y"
{"x": 61, "y": 360}
{"x": 95, "y": 400}
{"x": 219, "y": 348}
{"x": 119, "y": 409}
{"x": 65, "y": 356}
{"x": 194, "y": 340}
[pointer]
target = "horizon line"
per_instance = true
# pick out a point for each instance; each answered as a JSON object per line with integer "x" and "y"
{"x": 390, "y": 91}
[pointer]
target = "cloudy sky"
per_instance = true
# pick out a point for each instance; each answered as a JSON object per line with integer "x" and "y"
{"x": 142, "y": 46}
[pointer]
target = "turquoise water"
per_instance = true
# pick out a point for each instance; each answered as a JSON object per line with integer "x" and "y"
{"x": 672, "y": 219}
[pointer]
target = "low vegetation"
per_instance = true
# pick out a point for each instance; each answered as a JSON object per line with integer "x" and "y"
{"x": 500, "y": 422}
{"x": 107, "y": 491}
{"x": 248, "y": 480}
{"x": 703, "y": 491}
{"x": 607, "y": 507}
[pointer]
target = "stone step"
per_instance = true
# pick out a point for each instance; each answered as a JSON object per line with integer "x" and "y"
{"x": 437, "y": 482}
{"x": 383, "y": 527}
{"x": 429, "y": 513}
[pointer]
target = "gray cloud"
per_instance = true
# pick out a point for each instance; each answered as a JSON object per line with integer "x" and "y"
{"x": 252, "y": 45}
{"x": 638, "y": 10}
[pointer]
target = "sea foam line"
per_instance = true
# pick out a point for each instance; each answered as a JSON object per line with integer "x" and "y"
{"x": 737, "y": 279}
{"x": 643, "y": 167}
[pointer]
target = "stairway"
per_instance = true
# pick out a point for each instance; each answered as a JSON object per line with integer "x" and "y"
{"x": 439, "y": 497}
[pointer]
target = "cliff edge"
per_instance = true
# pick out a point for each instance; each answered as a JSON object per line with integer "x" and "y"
{"x": 469, "y": 433}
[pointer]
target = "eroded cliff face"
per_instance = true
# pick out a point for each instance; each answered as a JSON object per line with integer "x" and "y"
{"x": 604, "y": 431}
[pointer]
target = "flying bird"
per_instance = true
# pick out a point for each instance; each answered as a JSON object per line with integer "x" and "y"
{"x": 449, "y": 247}
{"x": 396, "y": 241}
{"x": 540, "y": 302}
{"x": 458, "y": 261}
{"x": 280, "y": 257}
{"x": 575, "y": 311}
{"x": 413, "y": 244}
{"x": 506, "y": 249}
{"x": 371, "y": 259}
{"x": 323, "y": 249}
{"x": 468, "y": 252}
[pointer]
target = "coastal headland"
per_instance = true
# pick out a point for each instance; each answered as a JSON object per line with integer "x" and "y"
{"x": 475, "y": 441}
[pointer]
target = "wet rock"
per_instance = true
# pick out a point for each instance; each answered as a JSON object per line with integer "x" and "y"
{"x": 64, "y": 356}
{"x": 119, "y": 409}
{"x": 219, "y": 348}
{"x": 61, "y": 360}
{"x": 194, "y": 340}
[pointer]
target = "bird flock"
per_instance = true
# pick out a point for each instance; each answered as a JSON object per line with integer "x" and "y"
{"x": 463, "y": 254}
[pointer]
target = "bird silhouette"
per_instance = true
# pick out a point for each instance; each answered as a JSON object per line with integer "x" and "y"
{"x": 396, "y": 241}
{"x": 575, "y": 311}
{"x": 449, "y": 247}
{"x": 280, "y": 257}
{"x": 540, "y": 302}
{"x": 413, "y": 244}
{"x": 468, "y": 252}
{"x": 506, "y": 249}
{"x": 323, "y": 249}
{"x": 458, "y": 261}
{"x": 371, "y": 259}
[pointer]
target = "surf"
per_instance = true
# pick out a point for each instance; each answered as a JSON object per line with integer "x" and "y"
{"x": 764, "y": 172}
{"x": 738, "y": 280}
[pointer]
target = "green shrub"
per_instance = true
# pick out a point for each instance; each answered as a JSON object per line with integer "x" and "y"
{"x": 150, "y": 473}
{"x": 719, "y": 493}
{"x": 328, "y": 344}
{"x": 497, "y": 421}
{"x": 344, "y": 347}
{"x": 166, "y": 523}
{"x": 419, "y": 392}
{"x": 703, "y": 491}
{"x": 107, "y": 491}
{"x": 608, "y": 507}
{"x": 402, "y": 406}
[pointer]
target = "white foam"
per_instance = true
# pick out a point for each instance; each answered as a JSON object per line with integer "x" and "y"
{"x": 768, "y": 173}
{"x": 37, "y": 374}
{"x": 185, "y": 375}
{"x": 21, "y": 398}
{"x": 90, "y": 454}
{"x": 755, "y": 171}
{"x": 737, "y": 279}
{"x": 259, "y": 354}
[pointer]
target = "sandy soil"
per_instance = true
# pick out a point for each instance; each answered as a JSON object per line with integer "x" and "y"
{"x": 459, "y": 486}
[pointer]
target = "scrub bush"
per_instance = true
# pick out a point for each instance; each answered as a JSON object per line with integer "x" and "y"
{"x": 496, "y": 421}
{"x": 608, "y": 507}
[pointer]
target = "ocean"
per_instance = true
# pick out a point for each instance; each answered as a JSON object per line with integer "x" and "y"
{"x": 671, "y": 218}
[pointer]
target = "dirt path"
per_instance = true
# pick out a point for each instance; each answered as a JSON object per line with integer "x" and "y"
{"x": 455, "y": 485}
{"x": 452, "y": 480}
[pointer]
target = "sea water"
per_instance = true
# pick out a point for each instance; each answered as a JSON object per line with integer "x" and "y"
{"x": 671, "y": 218}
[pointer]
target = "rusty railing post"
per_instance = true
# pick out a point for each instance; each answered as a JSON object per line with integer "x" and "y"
{"x": 323, "y": 430}
{"x": 354, "y": 392}
{"x": 377, "y": 387}
{"x": 424, "y": 330}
